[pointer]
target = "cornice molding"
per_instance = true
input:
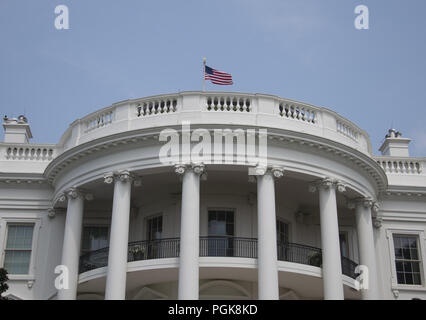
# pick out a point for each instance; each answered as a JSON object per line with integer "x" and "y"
{"x": 365, "y": 163}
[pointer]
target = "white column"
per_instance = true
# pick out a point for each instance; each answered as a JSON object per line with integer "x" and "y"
{"x": 188, "y": 288}
{"x": 330, "y": 243}
{"x": 367, "y": 255}
{"x": 72, "y": 241}
{"x": 119, "y": 236}
{"x": 268, "y": 287}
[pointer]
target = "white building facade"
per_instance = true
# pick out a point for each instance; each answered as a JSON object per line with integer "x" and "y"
{"x": 122, "y": 224}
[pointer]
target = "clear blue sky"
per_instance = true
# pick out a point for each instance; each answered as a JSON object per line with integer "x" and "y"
{"x": 307, "y": 50}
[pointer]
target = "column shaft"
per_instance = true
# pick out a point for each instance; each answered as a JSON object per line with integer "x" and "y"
{"x": 188, "y": 288}
{"x": 267, "y": 238}
{"x": 367, "y": 254}
{"x": 331, "y": 260}
{"x": 71, "y": 245}
{"x": 119, "y": 237}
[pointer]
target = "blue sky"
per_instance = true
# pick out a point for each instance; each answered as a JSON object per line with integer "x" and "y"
{"x": 307, "y": 50}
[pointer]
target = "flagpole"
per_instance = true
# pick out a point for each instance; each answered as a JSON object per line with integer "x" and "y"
{"x": 204, "y": 73}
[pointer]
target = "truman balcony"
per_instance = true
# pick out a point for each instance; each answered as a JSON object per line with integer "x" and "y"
{"x": 228, "y": 207}
{"x": 214, "y": 246}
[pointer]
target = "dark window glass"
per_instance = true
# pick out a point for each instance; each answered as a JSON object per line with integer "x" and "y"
{"x": 221, "y": 228}
{"x": 407, "y": 262}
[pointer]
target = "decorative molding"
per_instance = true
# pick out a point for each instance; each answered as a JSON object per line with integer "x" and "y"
{"x": 277, "y": 172}
{"x": 377, "y": 222}
{"x": 395, "y": 293}
{"x": 259, "y": 170}
{"x": 180, "y": 169}
{"x": 30, "y": 284}
{"x": 197, "y": 168}
{"x": 75, "y": 193}
{"x": 327, "y": 183}
{"x": 123, "y": 176}
{"x": 51, "y": 213}
{"x": 109, "y": 177}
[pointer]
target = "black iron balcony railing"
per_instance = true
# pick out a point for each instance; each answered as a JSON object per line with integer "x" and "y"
{"x": 214, "y": 247}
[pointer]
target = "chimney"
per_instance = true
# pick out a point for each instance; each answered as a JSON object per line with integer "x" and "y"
{"x": 394, "y": 145}
{"x": 16, "y": 130}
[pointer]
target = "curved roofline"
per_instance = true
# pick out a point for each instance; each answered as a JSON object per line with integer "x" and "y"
{"x": 182, "y": 93}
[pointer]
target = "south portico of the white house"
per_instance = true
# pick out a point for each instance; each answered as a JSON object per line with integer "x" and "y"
{"x": 127, "y": 225}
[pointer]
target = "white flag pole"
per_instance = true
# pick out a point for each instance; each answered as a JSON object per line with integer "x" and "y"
{"x": 204, "y": 73}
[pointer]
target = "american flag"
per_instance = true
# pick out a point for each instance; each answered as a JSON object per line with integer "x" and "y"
{"x": 217, "y": 77}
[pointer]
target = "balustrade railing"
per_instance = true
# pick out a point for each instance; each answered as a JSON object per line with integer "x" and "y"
{"x": 213, "y": 247}
{"x": 347, "y": 130}
{"x": 29, "y": 152}
{"x": 100, "y": 119}
{"x": 157, "y": 106}
{"x": 228, "y": 103}
{"x": 297, "y": 112}
{"x": 400, "y": 166}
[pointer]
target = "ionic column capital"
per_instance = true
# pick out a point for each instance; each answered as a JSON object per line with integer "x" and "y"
{"x": 276, "y": 171}
{"x": 366, "y": 202}
{"x": 123, "y": 176}
{"x": 197, "y": 168}
{"x": 327, "y": 183}
{"x": 76, "y": 193}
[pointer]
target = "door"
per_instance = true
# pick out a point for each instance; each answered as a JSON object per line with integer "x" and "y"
{"x": 221, "y": 233}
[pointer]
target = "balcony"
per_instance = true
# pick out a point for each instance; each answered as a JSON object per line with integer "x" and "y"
{"x": 214, "y": 247}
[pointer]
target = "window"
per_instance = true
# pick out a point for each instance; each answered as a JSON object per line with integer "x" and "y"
{"x": 155, "y": 228}
{"x": 344, "y": 244}
{"x": 407, "y": 259}
{"x": 18, "y": 248}
{"x": 221, "y": 232}
{"x": 154, "y": 233}
{"x": 94, "y": 238}
{"x": 282, "y": 232}
{"x": 282, "y": 240}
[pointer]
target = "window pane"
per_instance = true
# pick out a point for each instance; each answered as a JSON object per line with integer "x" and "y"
{"x": 416, "y": 267}
{"x": 404, "y": 242}
{"x": 229, "y": 229}
{"x": 400, "y": 276}
{"x": 414, "y": 254}
{"x": 230, "y": 217}
{"x": 155, "y": 228}
{"x": 417, "y": 279}
{"x": 282, "y": 232}
{"x": 407, "y": 259}
{"x": 398, "y": 253}
{"x": 408, "y": 278}
{"x": 221, "y": 223}
{"x": 407, "y": 267}
{"x": 19, "y": 237}
{"x": 413, "y": 242}
{"x": 95, "y": 238}
{"x": 17, "y": 262}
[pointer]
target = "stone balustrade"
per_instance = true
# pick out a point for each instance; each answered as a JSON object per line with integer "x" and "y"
{"x": 99, "y": 119}
{"x": 394, "y": 165}
{"x": 260, "y": 110}
{"x": 28, "y": 152}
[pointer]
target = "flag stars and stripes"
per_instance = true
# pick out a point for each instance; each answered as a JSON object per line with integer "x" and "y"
{"x": 217, "y": 77}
